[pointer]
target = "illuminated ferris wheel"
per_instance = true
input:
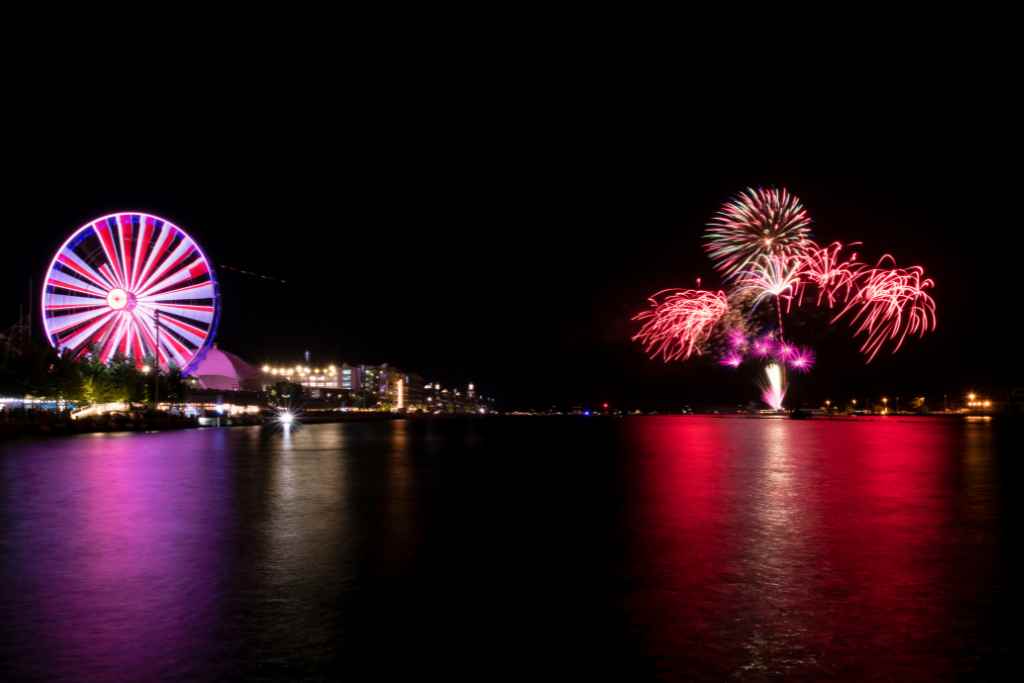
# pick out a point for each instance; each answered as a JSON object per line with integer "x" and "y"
{"x": 131, "y": 285}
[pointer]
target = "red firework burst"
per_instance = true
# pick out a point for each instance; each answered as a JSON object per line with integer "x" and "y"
{"x": 834, "y": 278}
{"x": 890, "y": 304}
{"x": 680, "y": 322}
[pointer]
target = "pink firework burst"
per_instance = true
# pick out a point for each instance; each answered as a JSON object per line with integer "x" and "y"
{"x": 890, "y": 304}
{"x": 680, "y": 322}
{"x": 802, "y": 359}
{"x": 731, "y": 360}
{"x": 737, "y": 339}
{"x": 785, "y": 351}
{"x": 764, "y": 347}
{"x": 755, "y": 224}
{"x": 822, "y": 267}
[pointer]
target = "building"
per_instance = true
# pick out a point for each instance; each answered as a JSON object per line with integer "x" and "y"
{"x": 454, "y": 400}
{"x": 369, "y": 386}
{"x": 224, "y": 371}
{"x": 310, "y": 377}
{"x": 375, "y": 387}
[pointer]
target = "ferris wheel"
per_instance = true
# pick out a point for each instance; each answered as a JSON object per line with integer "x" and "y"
{"x": 131, "y": 285}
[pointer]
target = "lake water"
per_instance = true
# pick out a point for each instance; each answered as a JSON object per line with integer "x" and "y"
{"x": 691, "y": 548}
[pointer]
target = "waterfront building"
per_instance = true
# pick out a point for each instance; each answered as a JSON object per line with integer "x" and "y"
{"x": 224, "y": 371}
{"x": 310, "y": 377}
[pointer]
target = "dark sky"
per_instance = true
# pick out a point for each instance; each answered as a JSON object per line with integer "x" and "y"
{"x": 503, "y": 229}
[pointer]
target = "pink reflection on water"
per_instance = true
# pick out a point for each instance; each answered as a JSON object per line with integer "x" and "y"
{"x": 122, "y": 549}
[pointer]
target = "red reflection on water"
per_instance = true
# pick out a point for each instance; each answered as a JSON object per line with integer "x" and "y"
{"x": 680, "y": 532}
{"x": 822, "y": 548}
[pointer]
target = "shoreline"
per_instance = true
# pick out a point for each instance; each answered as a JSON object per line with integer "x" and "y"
{"x": 11, "y": 430}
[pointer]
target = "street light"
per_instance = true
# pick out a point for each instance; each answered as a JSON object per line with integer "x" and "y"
{"x": 156, "y": 375}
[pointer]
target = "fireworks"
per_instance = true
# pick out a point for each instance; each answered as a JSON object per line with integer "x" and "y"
{"x": 890, "y": 304}
{"x": 760, "y": 242}
{"x": 802, "y": 360}
{"x": 732, "y": 360}
{"x": 773, "y": 390}
{"x": 737, "y": 339}
{"x": 680, "y": 323}
{"x": 776, "y": 276}
{"x": 756, "y": 224}
{"x": 764, "y": 347}
{"x": 822, "y": 267}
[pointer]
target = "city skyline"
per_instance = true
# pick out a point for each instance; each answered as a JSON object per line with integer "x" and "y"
{"x": 481, "y": 263}
{"x": 358, "y": 326}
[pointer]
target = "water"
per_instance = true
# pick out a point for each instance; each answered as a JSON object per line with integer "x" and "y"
{"x": 691, "y": 548}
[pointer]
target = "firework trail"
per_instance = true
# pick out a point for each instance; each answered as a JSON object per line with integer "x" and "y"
{"x": 773, "y": 390}
{"x": 890, "y": 304}
{"x": 755, "y": 224}
{"x": 680, "y": 323}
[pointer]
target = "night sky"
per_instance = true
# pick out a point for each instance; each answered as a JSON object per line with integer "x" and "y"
{"x": 506, "y": 233}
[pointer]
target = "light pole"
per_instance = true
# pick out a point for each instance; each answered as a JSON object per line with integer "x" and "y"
{"x": 156, "y": 375}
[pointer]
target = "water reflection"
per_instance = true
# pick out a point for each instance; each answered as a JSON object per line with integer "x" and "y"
{"x": 782, "y": 548}
{"x": 689, "y": 548}
{"x": 111, "y": 546}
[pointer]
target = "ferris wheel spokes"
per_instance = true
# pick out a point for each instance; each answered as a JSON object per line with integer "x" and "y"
{"x": 116, "y": 278}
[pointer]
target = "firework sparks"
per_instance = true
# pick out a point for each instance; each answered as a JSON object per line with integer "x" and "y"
{"x": 731, "y": 360}
{"x": 802, "y": 360}
{"x": 764, "y": 347}
{"x": 890, "y": 304}
{"x": 737, "y": 339}
{"x": 755, "y": 224}
{"x": 785, "y": 352}
{"x": 680, "y": 322}
{"x": 760, "y": 243}
{"x": 775, "y": 276}
{"x": 774, "y": 388}
{"x": 822, "y": 267}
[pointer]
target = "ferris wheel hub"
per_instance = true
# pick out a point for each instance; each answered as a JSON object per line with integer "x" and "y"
{"x": 118, "y": 299}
